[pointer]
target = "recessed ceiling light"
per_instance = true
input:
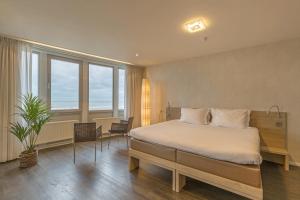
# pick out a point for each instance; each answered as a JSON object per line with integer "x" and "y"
{"x": 136, "y": 54}
{"x": 194, "y": 25}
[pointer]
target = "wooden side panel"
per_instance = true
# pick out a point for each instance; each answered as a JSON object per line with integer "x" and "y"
{"x": 276, "y": 158}
{"x": 135, "y": 156}
{"x": 218, "y": 181}
{"x": 272, "y": 128}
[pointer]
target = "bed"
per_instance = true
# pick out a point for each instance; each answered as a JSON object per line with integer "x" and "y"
{"x": 231, "y": 162}
{"x": 235, "y": 145}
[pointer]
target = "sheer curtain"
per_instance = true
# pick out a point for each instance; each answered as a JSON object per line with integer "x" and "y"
{"x": 134, "y": 93}
{"x": 15, "y": 76}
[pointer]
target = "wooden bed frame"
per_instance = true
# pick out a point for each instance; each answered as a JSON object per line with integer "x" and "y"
{"x": 135, "y": 156}
{"x": 180, "y": 172}
{"x": 260, "y": 119}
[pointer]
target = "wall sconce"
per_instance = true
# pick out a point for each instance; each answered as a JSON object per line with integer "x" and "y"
{"x": 277, "y": 108}
{"x": 145, "y": 109}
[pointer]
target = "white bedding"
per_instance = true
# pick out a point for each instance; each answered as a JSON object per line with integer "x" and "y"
{"x": 236, "y": 145}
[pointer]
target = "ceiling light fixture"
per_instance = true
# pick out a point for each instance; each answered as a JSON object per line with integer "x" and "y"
{"x": 195, "y": 25}
{"x": 136, "y": 54}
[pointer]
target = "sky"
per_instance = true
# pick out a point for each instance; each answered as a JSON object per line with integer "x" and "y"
{"x": 65, "y": 86}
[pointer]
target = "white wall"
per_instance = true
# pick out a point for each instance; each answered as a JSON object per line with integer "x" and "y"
{"x": 253, "y": 78}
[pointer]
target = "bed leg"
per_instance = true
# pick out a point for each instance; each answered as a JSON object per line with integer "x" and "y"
{"x": 174, "y": 180}
{"x": 286, "y": 162}
{"x": 259, "y": 196}
{"x": 133, "y": 163}
{"x": 180, "y": 181}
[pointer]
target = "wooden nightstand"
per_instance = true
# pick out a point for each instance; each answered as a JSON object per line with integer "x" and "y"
{"x": 280, "y": 152}
{"x": 273, "y": 135}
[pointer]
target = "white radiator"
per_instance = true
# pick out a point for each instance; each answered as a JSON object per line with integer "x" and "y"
{"x": 56, "y": 131}
{"x": 106, "y": 122}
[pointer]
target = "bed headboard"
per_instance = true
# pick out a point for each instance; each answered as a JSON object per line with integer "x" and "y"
{"x": 272, "y": 127}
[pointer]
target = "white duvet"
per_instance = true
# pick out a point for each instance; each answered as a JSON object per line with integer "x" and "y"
{"x": 236, "y": 145}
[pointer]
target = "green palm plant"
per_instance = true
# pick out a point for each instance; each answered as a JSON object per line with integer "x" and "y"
{"x": 34, "y": 113}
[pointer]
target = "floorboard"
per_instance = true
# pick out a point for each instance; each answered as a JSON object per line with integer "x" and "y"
{"x": 56, "y": 177}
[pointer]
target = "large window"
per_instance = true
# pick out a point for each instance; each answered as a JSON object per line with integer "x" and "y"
{"x": 100, "y": 87}
{"x": 35, "y": 74}
{"x": 121, "y": 89}
{"x": 65, "y": 81}
{"x": 80, "y": 85}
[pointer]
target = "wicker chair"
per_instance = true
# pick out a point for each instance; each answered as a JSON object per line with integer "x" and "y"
{"x": 121, "y": 128}
{"x": 85, "y": 132}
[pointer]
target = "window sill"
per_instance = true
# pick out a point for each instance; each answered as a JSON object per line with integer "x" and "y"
{"x": 65, "y": 111}
{"x": 100, "y": 111}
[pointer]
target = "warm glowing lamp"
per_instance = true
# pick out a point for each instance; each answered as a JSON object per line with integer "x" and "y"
{"x": 145, "y": 112}
{"x": 195, "y": 25}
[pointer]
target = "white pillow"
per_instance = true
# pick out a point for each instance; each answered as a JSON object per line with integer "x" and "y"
{"x": 238, "y": 118}
{"x": 194, "y": 116}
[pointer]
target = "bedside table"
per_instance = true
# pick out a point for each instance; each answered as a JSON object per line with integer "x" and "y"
{"x": 272, "y": 128}
{"x": 278, "y": 151}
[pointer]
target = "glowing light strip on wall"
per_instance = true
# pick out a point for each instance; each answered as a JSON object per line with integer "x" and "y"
{"x": 68, "y": 50}
{"x": 145, "y": 109}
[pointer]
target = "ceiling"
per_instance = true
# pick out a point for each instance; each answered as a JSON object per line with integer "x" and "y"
{"x": 119, "y": 29}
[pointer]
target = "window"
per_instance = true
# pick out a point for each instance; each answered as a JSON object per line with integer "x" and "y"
{"x": 35, "y": 74}
{"x": 100, "y": 87}
{"x": 121, "y": 89}
{"x": 65, "y": 80}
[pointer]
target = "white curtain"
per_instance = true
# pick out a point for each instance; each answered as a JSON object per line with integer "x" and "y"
{"x": 134, "y": 93}
{"x": 15, "y": 76}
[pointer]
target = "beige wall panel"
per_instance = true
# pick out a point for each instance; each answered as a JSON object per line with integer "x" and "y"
{"x": 253, "y": 78}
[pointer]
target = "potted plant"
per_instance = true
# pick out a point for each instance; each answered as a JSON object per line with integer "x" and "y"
{"x": 34, "y": 114}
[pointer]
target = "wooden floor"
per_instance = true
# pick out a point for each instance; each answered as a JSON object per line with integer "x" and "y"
{"x": 57, "y": 178}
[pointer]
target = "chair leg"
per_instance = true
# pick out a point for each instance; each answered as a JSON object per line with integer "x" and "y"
{"x": 109, "y": 135}
{"x": 101, "y": 141}
{"x": 95, "y": 150}
{"x": 74, "y": 152}
{"x": 127, "y": 140}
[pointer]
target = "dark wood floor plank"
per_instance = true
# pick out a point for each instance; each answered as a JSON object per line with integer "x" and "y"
{"x": 56, "y": 177}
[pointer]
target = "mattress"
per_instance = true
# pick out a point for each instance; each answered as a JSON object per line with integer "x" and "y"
{"x": 247, "y": 174}
{"x": 235, "y": 145}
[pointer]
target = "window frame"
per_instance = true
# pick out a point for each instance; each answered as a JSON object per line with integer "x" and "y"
{"x": 38, "y": 72}
{"x": 88, "y": 87}
{"x": 66, "y": 59}
{"x": 125, "y": 88}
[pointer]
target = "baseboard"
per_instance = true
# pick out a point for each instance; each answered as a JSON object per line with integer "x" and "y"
{"x": 54, "y": 144}
{"x": 65, "y": 142}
